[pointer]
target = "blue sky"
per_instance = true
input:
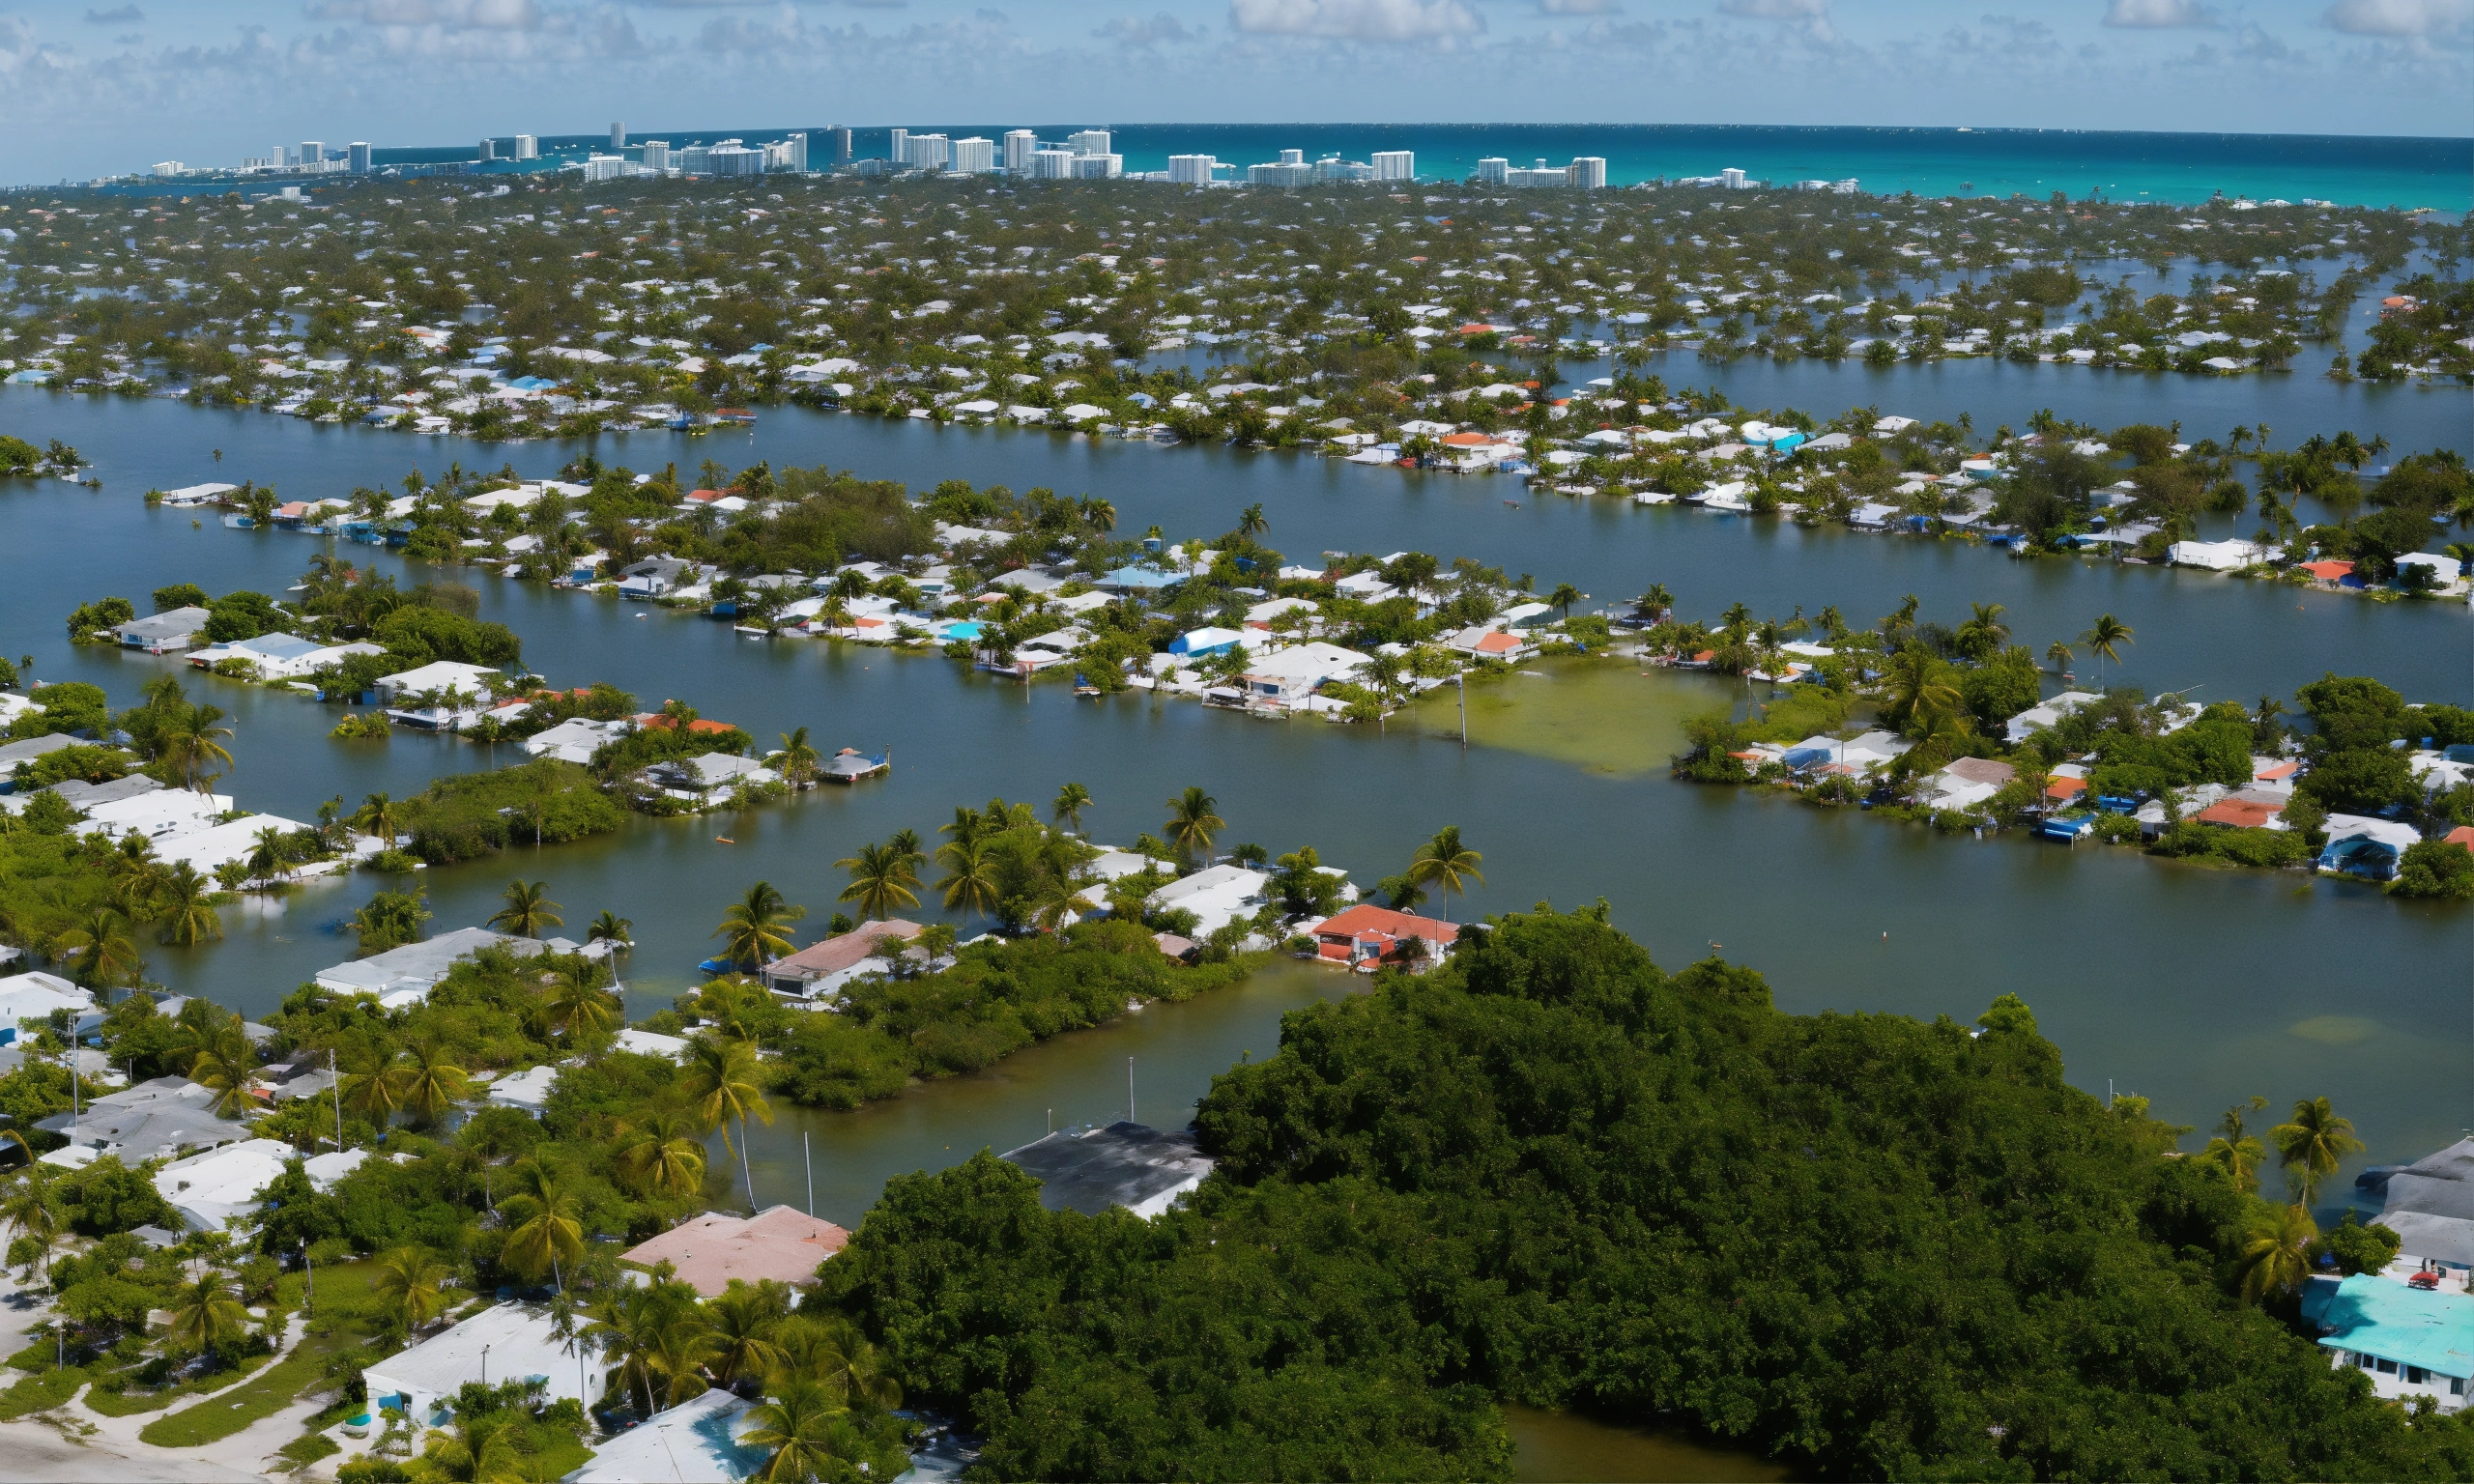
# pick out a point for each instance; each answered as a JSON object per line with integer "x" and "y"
{"x": 88, "y": 88}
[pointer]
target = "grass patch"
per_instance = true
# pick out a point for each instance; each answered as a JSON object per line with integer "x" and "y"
{"x": 307, "y": 1450}
{"x": 116, "y": 1404}
{"x": 220, "y": 1417}
{"x": 41, "y": 1393}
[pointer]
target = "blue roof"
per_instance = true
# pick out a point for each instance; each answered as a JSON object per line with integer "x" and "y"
{"x": 1140, "y": 577}
{"x": 2384, "y": 1318}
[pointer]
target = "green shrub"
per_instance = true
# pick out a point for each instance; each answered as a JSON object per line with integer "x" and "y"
{"x": 2436, "y": 868}
{"x": 102, "y": 613}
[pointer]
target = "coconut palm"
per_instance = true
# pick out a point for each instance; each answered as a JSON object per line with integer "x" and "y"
{"x": 721, "y": 1083}
{"x": 1053, "y": 898}
{"x": 678, "y": 1350}
{"x": 1251, "y": 522}
{"x": 2104, "y": 639}
{"x": 1655, "y": 603}
{"x": 2314, "y": 1143}
{"x": 799, "y": 759}
{"x": 266, "y": 857}
{"x": 475, "y": 1451}
{"x": 883, "y": 878}
{"x": 660, "y": 1152}
{"x": 1071, "y": 801}
{"x": 2274, "y": 1254}
{"x": 2059, "y": 654}
{"x": 1564, "y": 597}
{"x": 545, "y": 1222}
{"x": 528, "y": 909}
{"x": 227, "y": 1062}
{"x": 972, "y": 883}
{"x": 1923, "y": 692}
{"x": 380, "y": 817}
{"x": 830, "y": 1352}
{"x": 33, "y": 1208}
{"x": 411, "y": 1286}
{"x": 610, "y": 928}
{"x": 193, "y": 747}
{"x": 574, "y": 1006}
{"x": 100, "y": 944}
{"x": 1445, "y": 863}
{"x": 189, "y": 910}
{"x": 1192, "y": 820}
{"x": 205, "y": 1313}
{"x": 745, "y": 1320}
{"x": 1983, "y": 635}
{"x": 797, "y": 1425}
{"x": 623, "y": 1326}
{"x": 2236, "y": 1151}
{"x": 427, "y": 1082}
{"x": 757, "y": 928}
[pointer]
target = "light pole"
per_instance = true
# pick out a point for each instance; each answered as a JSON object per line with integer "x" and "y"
{"x": 807, "y": 1156}
{"x": 1460, "y": 680}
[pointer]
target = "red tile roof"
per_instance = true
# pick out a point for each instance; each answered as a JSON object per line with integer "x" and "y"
{"x": 2329, "y": 571}
{"x": 2240, "y": 813}
{"x": 1380, "y": 929}
{"x": 2065, "y": 787}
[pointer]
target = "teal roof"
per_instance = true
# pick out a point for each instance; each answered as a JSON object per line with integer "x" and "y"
{"x": 2384, "y": 1318}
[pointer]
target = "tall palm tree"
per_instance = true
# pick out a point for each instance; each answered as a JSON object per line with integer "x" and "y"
{"x": 971, "y": 883}
{"x": 1923, "y": 693}
{"x": 757, "y": 928}
{"x": 722, "y": 1083}
{"x": 831, "y": 1352}
{"x": 799, "y": 759}
{"x": 678, "y": 1350}
{"x": 528, "y": 909}
{"x": 33, "y": 1208}
{"x": 411, "y": 1286}
{"x": 797, "y": 1425}
{"x": 1984, "y": 634}
{"x": 608, "y": 927}
{"x": 881, "y": 879}
{"x": 101, "y": 943}
{"x": 427, "y": 1081}
{"x": 190, "y": 917}
{"x": 1071, "y": 801}
{"x": 1192, "y": 820}
{"x": 1655, "y": 603}
{"x": 660, "y": 1152}
{"x": 267, "y": 856}
{"x": 477, "y": 1451}
{"x": 2057, "y": 654}
{"x": 2235, "y": 1150}
{"x": 1099, "y": 514}
{"x": 1053, "y": 898}
{"x": 574, "y": 1006}
{"x": 380, "y": 817}
{"x": 1563, "y": 598}
{"x": 623, "y": 1326}
{"x": 369, "y": 1085}
{"x": 227, "y": 1062}
{"x": 2315, "y": 1141}
{"x": 1252, "y": 523}
{"x": 1445, "y": 864}
{"x": 194, "y": 748}
{"x": 2274, "y": 1252}
{"x": 745, "y": 1320}
{"x": 545, "y": 1222}
{"x": 2104, "y": 639}
{"x": 204, "y": 1314}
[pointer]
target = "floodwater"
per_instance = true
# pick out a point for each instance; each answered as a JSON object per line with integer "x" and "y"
{"x": 2195, "y": 987}
{"x": 1551, "y": 1447}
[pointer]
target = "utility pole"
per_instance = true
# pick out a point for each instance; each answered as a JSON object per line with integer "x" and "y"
{"x": 807, "y": 1156}
{"x": 1129, "y": 1088}
{"x": 1461, "y": 681}
{"x": 338, "y": 1088}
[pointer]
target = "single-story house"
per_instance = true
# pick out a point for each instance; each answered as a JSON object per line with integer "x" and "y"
{"x": 506, "y": 1342}
{"x": 654, "y": 577}
{"x": 2048, "y": 714}
{"x": 35, "y": 995}
{"x": 2335, "y": 572}
{"x": 1368, "y": 934}
{"x": 2243, "y": 813}
{"x": 412, "y": 969}
{"x": 2217, "y": 555}
{"x": 1965, "y": 783}
{"x": 209, "y": 847}
{"x": 527, "y": 1091}
{"x": 1487, "y": 644}
{"x": 2359, "y": 845}
{"x": 211, "y": 1189}
{"x": 447, "y": 677}
{"x": 164, "y": 633}
{"x": 702, "y": 776}
{"x": 1195, "y": 644}
{"x": 2430, "y": 1204}
{"x": 273, "y": 654}
{"x": 575, "y": 739}
{"x": 1216, "y": 896}
{"x": 694, "y": 1442}
{"x": 819, "y": 970}
{"x": 153, "y": 1119}
{"x": 711, "y": 1251}
{"x": 1127, "y": 1164}
{"x": 1286, "y": 676}
{"x": 2409, "y": 1342}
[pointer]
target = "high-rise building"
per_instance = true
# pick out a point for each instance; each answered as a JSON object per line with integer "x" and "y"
{"x": 1287, "y": 172}
{"x": 489, "y": 149}
{"x": 1098, "y": 167}
{"x": 1191, "y": 169}
{"x": 604, "y": 167}
{"x": 898, "y": 147}
{"x": 1292, "y": 157}
{"x": 925, "y": 152}
{"x": 656, "y": 153}
{"x": 797, "y": 154}
{"x": 1589, "y": 172}
{"x": 1052, "y": 164}
{"x": 837, "y": 143}
{"x": 1020, "y": 145}
{"x": 313, "y": 155}
{"x": 279, "y": 155}
{"x": 1733, "y": 180}
{"x": 1492, "y": 169}
{"x": 974, "y": 156}
{"x": 617, "y": 136}
{"x": 1396, "y": 164}
{"x": 527, "y": 147}
{"x": 1088, "y": 141}
{"x": 696, "y": 159}
{"x": 731, "y": 158}
{"x": 359, "y": 156}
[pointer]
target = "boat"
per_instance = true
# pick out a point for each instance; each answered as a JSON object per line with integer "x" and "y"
{"x": 1084, "y": 689}
{"x": 849, "y": 765}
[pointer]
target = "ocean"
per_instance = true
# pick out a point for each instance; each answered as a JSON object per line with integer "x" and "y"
{"x": 2351, "y": 170}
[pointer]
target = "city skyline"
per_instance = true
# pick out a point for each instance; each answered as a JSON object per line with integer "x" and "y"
{"x": 93, "y": 88}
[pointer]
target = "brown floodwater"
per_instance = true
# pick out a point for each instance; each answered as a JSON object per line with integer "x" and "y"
{"x": 1570, "y": 1448}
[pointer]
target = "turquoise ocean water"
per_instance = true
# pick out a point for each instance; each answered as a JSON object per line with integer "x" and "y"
{"x": 2353, "y": 170}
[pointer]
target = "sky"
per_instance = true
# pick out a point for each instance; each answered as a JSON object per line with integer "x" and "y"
{"x": 88, "y": 88}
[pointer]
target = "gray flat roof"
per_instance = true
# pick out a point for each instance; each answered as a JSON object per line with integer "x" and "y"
{"x": 425, "y": 962}
{"x": 1123, "y": 1164}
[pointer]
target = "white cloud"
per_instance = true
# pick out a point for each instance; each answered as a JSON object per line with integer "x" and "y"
{"x": 1357, "y": 20}
{"x": 1578, "y": 7}
{"x": 447, "y": 14}
{"x": 2157, "y": 14}
{"x": 124, "y": 15}
{"x": 1136, "y": 32}
{"x": 2400, "y": 17}
{"x": 1775, "y": 10}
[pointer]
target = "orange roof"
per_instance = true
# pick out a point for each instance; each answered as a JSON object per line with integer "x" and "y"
{"x": 709, "y": 1250}
{"x": 704, "y": 494}
{"x": 2329, "y": 571}
{"x": 2065, "y": 787}
{"x": 699, "y": 727}
{"x": 2240, "y": 813}
{"x": 2463, "y": 835}
{"x": 2277, "y": 770}
{"x": 1367, "y": 917}
{"x": 1498, "y": 642}
{"x": 1466, "y": 440}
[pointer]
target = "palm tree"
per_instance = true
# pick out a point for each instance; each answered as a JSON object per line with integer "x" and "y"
{"x": 2274, "y": 1252}
{"x": 797, "y": 1425}
{"x": 678, "y": 1348}
{"x": 661, "y": 1153}
{"x": 2316, "y": 1141}
{"x": 227, "y": 1062}
{"x": 545, "y": 1222}
{"x": 267, "y": 856}
{"x": 831, "y": 1353}
{"x": 2057, "y": 654}
{"x": 1655, "y": 603}
{"x": 204, "y": 1314}
{"x": 411, "y": 1285}
{"x": 190, "y": 917}
{"x": 369, "y": 1085}
{"x": 1563, "y": 598}
{"x": 721, "y": 1083}
{"x": 623, "y": 1326}
{"x": 881, "y": 879}
{"x": 194, "y": 745}
{"x": 971, "y": 883}
{"x": 1192, "y": 820}
{"x": 1445, "y": 864}
{"x": 427, "y": 1082}
{"x": 2235, "y": 1150}
{"x": 1983, "y": 635}
{"x": 1251, "y": 522}
{"x": 574, "y": 1006}
{"x": 380, "y": 817}
{"x": 1923, "y": 692}
{"x": 799, "y": 760}
{"x": 2104, "y": 639}
{"x": 32, "y": 1206}
{"x": 611, "y": 928}
{"x": 102, "y": 945}
{"x": 745, "y": 1319}
{"x": 757, "y": 928}
{"x": 528, "y": 909}
{"x": 479, "y": 1450}
{"x": 1053, "y": 898}
{"x": 1071, "y": 801}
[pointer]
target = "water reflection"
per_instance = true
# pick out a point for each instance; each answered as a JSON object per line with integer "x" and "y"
{"x": 1576, "y": 1449}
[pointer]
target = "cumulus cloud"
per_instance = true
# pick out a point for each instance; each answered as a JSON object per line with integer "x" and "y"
{"x": 125, "y": 15}
{"x": 2400, "y": 17}
{"x": 1775, "y": 10}
{"x": 1578, "y": 7}
{"x": 449, "y": 15}
{"x": 2158, "y": 15}
{"x": 1357, "y": 20}
{"x": 1133, "y": 31}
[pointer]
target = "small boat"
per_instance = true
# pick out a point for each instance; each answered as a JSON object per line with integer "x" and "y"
{"x": 1084, "y": 689}
{"x": 724, "y": 840}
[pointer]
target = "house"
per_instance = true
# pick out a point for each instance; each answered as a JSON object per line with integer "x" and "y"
{"x": 273, "y": 654}
{"x": 406, "y": 974}
{"x": 2359, "y": 845}
{"x": 654, "y": 578}
{"x": 1487, "y": 644}
{"x": 694, "y": 1442}
{"x": 849, "y": 765}
{"x": 1364, "y": 586}
{"x": 164, "y": 633}
{"x": 527, "y": 1091}
{"x": 210, "y": 846}
{"x": 506, "y": 1342}
{"x": 711, "y": 1251}
{"x": 701, "y": 777}
{"x": 1135, "y": 580}
{"x": 2243, "y": 813}
{"x": 2048, "y": 714}
{"x": 2217, "y": 555}
{"x": 211, "y": 1189}
{"x": 2408, "y": 1341}
{"x": 166, "y": 1116}
{"x": 1524, "y": 615}
{"x": 445, "y": 678}
{"x": 2333, "y": 573}
{"x": 1216, "y": 896}
{"x": 575, "y": 739}
{"x": 1284, "y": 678}
{"x": 35, "y": 996}
{"x": 2430, "y": 1204}
{"x": 819, "y": 970}
{"x": 1261, "y": 615}
{"x": 1142, "y": 1169}
{"x": 1367, "y": 933}
{"x": 1965, "y": 783}
{"x": 1195, "y": 644}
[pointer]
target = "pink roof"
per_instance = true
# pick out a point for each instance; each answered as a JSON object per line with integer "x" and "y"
{"x": 1498, "y": 642}
{"x": 1365, "y": 918}
{"x": 832, "y": 956}
{"x": 2276, "y": 770}
{"x": 709, "y": 1250}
